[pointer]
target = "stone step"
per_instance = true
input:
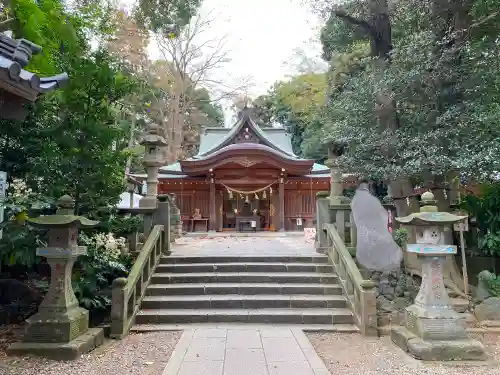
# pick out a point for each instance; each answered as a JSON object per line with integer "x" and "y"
{"x": 341, "y": 328}
{"x": 244, "y": 267}
{"x": 242, "y": 289}
{"x": 244, "y": 277}
{"x": 243, "y": 301}
{"x": 289, "y": 316}
{"x": 173, "y": 259}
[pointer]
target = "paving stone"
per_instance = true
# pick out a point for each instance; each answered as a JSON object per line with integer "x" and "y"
{"x": 276, "y": 332}
{"x": 210, "y": 333}
{"x": 245, "y": 362}
{"x": 279, "y": 349}
{"x": 201, "y": 368}
{"x": 246, "y": 339}
{"x": 290, "y": 368}
{"x": 206, "y": 349}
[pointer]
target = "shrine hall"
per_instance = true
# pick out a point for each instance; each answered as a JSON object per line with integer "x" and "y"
{"x": 245, "y": 178}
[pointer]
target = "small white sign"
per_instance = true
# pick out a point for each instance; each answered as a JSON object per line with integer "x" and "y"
{"x": 299, "y": 221}
{"x": 253, "y": 223}
{"x": 429, "y": 249}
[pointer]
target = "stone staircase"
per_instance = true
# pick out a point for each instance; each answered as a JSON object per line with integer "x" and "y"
{"x": 286, "y": 290}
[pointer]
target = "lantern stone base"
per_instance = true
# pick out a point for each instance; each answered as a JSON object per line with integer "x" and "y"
{"x": 438, "y": 350}
{"x": 59, "y": 327}
{"x": 84, "y": 343}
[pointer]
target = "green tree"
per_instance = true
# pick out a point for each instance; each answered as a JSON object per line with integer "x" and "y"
{"x": 296, "y": 104}
{"x": 423, "y": 103}
{"x": 81, "y": 150}
{"x": 166, "y": 16}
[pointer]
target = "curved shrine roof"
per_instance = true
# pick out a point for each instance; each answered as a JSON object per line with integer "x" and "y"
{"x": 245, "y": 137}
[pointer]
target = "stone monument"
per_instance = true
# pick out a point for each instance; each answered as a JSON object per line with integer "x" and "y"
{"x": 60, "y": 328}
{"x": 375, "y": 248}
{"x": 433, "y": 330}
{"x": 154, "y": 144}
{"x": 18, "y": 86}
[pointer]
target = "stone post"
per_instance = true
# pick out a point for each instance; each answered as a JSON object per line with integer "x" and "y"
{"x": 153, "y": 159}
{"x": 162, "y": 216}
{"x": 60, "y": 328}
{"x": 433, "y": 330}
{"x": 322, "y": 217}
{"x": 175, "y": 219}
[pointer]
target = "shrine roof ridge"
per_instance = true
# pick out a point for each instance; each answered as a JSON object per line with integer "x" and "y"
{"x": 275, "y": 138}
{"x": 246, "y": 146}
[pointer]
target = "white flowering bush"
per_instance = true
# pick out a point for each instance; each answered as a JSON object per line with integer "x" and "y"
{"x": 19, "y": 198}
{"x": 107, "y": 243}
{"x": 94, "y": 273}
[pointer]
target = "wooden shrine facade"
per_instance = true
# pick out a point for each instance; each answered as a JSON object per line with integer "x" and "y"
{"x": 245, "y": 178}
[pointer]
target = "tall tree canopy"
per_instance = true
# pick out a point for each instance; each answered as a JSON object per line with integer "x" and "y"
{"x": 413, "y": 87}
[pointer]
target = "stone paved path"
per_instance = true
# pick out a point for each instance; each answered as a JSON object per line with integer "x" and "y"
{"x": 243, "y": 351}
{"x": 213, "y": 246}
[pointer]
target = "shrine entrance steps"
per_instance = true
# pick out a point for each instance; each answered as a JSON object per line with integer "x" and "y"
{"x": 256, "y": 289}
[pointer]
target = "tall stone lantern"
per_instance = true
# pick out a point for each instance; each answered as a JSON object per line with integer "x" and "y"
{"x": 60, "y": 328}
{"x": 335, "y": 150}
{"x": 153, "y": 159}
{"x": 433, "y": 330}
{"x": 19, "y": 87}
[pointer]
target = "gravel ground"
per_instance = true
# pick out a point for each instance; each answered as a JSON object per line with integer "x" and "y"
{"x": 137, "y": 354}
{"x": 356, "y": 355}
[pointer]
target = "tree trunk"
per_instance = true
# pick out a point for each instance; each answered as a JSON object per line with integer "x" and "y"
{"x": 130, "y": 143}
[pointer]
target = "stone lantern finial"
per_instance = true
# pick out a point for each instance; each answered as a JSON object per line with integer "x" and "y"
{"x": 428, "y": 203}
{"x": 65, "y": 205}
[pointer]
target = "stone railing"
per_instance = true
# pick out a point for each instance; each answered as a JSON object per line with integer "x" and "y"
{"x": 342, "y": 217}
{"x": 128, "y": 293}
{"x": 360, "y": 293}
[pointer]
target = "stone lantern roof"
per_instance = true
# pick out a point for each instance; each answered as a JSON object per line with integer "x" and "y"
{"x": 18, "y": 86}
{"x": 429, "y": 214}
{"x": 153, "y": 136}
{"x": 64, "y": 217}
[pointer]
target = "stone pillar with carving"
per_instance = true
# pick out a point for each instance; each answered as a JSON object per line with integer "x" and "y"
{"x": 153, "y": 159}
{"x": 433, "y": 330}
{"x": 335, "y": 150}
{"x": 60, "y": 328}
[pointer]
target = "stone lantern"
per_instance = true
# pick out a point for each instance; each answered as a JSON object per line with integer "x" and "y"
{"x": 60, "y": 328}
{"x": 19, "y": 87}
{"x": 335, "y": 150}
{"x": 154, "y": 145}
{"x": 433, "y": 330}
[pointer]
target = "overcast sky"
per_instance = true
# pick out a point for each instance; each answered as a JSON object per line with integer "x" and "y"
{"x": 261, "y": 37}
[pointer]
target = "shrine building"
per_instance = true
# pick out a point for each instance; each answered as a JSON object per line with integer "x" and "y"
{"x": 245, "y": 178}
